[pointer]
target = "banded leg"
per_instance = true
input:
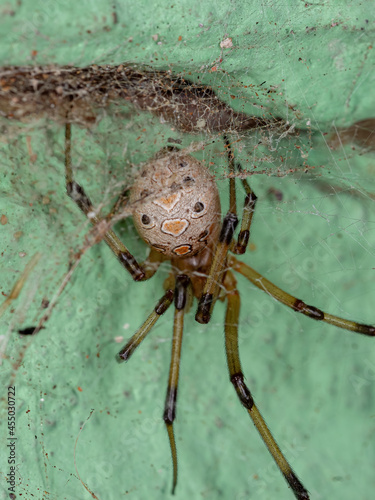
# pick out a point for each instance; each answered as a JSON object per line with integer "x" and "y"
{"x": 182, "y": 283}
{"x": 296, "y": 304}
{"x": 214, "y": 279}
{"x": 244, "y": 394}
{"x": 80, "y": 198}
{"x": 248, "y": 208}
{"x": 247, "y": 217}
{"x": 142, "y": 332}
{"x": 217, "y": 270}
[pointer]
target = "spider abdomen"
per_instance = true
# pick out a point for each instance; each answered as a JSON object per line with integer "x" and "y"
{"x": 176, "y": 205}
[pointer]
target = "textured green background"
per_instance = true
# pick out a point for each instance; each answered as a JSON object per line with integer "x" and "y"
{"x": 313, "y": 383}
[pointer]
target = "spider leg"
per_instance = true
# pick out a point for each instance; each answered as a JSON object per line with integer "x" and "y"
{"x": 296, "y": 304}
{"x": 142, "y": 332}
{"x": 248, "y": 208}
{"x": 214, "y": 278}
{"x": 217, "y": 270}
{"x": 120, "y": 202}
{"x": 77, "y": 194}
{"x": 247, "y": 217}
{"x": 244, "y": 394}
{"x": 180, "y": 296}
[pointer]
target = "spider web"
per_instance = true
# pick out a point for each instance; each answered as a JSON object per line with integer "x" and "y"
{"x": 313, "y": 235}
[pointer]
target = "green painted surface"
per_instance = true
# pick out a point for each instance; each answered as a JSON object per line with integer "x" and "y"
{"x": 313, "y": 383}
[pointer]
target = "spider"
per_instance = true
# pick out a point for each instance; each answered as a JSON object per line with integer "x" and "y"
{"x": 175, "y": 207}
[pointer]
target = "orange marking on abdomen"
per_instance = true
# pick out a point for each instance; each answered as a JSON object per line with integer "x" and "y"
{"x": 168, "y": 202}
{"x": 182, "y": 250}
{"x": 175, "y": 227}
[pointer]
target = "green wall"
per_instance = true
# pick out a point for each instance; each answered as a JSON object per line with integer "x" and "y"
{"x": 313, "y": 383}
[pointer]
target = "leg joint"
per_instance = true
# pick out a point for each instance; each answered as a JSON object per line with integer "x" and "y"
{"x": 243, "y": 240}
{"x": 78, "y": 195}
{"x": 164, "y": 302}
{"x": 129, "y": 262}
{"x": 170, "y": 406}
{"x": 242, "y": 390}
{"x": 229, "y": 225}
{"x": 204, "y": 308}
{"x": 311, "y": 311}
{"x": 250, "y": 200}
{"x": 182, "y": 282}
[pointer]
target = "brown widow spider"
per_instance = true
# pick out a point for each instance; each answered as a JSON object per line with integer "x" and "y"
{"x": 176, "y": 210}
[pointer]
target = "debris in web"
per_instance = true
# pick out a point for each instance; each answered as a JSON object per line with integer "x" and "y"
{"x": 77, "y": 94}
{"x": 16, "y": 290}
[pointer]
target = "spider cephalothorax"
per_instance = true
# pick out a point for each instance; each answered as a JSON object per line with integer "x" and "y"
{"x": 176, "y": 209}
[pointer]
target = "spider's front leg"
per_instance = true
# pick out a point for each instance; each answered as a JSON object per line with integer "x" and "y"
{"x": 139, "y": 272}
{"x": 243, "y": 392}
{"x": 217, "y": 270}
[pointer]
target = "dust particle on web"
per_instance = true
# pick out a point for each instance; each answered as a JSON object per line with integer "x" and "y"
{"x": 227, "y": 43}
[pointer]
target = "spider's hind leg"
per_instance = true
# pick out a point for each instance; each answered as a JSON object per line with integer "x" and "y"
{"x": 243, "y": 392}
